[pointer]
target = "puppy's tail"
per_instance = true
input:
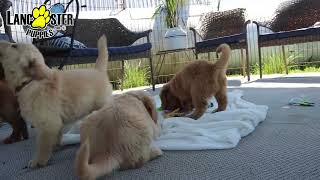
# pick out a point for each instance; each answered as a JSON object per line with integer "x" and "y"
{"x": 225, "y": 51}
{"x": 84, "y": 170}
{"x": 103, "y": 55}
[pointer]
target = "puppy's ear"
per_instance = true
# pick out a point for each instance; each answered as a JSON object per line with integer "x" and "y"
{"x": 148, "y": 103}
{"x": 33, "y": 69}
{"x": 164, "y": 91}
{"x": 165, "y": 88}
{"x": 163, "y": 96}
{"x": 151, "y": 108}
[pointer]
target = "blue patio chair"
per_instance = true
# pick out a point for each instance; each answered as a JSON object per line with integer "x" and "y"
{"x": 3, "y": 37}
{"x": 120, "y": 41}
{"x": 216, "y": 28}
{"x": 78, "y": 43}
{"x": 4, "y": 6}
{"x": 7, "y": 35}
{"x": 293, "y": 23}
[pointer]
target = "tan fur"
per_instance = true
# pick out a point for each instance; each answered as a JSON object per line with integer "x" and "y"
{"x": 118, "y": 136}
{"x": 53, "y": 98}
{"x": 196, "y": 83}
{"x": 9, "y": 112}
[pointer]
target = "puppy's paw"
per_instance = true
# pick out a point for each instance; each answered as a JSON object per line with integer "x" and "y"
{"x": 32, "y": 164}
{"x": 191, "y": 116}
{"x": 8, "y": 141}
{"x": 214, "y": 111}
{"x": 155, "y": 152}
{"x": 158, "y": 152}
{"x": 57, "y": 147}
{"x": 36, "y": 164}
{"x": 11, "y": 139}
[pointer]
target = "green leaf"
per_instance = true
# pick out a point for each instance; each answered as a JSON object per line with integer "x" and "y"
{"x": 158, "y": 10}
{"x": 171, "y": 9}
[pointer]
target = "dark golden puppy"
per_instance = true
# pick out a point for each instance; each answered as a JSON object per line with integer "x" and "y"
{"x": 196, "y": 83}
{"x": 9, "y": 112}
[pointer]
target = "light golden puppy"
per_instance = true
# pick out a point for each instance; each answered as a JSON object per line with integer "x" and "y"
{"x": 51, "y": 99}
{"x": 118, "y": 136}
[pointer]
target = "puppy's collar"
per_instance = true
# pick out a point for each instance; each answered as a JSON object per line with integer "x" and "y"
{"x": 20, "y": 87}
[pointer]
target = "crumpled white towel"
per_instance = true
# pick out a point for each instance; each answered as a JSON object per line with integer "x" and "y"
{"x": 221, "y": 130}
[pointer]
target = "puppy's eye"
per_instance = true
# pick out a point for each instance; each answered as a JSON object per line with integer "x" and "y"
{"x": 14, "y": 46}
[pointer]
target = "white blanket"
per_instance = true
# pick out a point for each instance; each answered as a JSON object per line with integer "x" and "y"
{"x": 221, "y": 130}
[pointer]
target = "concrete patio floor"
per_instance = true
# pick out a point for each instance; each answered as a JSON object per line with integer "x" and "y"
{"x": 285, "y": 146}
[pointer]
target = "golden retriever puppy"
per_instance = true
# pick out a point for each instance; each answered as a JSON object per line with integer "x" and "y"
{"x": 196, "y": 83}
{"x": 118, "y": 136}
{"x": 51, "y": 99}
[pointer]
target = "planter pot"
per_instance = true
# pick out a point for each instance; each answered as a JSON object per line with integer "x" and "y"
{"x": 175, "y": 38}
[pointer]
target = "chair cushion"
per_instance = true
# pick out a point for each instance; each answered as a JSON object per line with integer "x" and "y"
{"x": 113, "y": 51}
{"x": 233, "y": 39}
{"x": 4, "y": 37}
{"x": 64, "y": 42}
{"x": 289, "y": 34}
